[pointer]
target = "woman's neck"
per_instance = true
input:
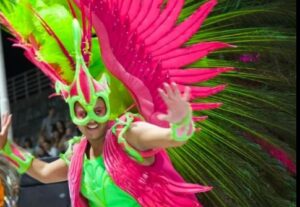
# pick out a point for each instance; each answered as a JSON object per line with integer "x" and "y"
{"x": 95, "y": 148}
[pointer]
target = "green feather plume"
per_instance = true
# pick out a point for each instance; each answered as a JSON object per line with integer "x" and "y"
{"x": 27, "y": 17}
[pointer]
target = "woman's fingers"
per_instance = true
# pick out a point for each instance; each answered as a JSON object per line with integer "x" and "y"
{"x": 173, "y": 92}
{"x": 3, "y": 119}
{"x": 175, "y": 89}
{"x": 164, "y": 96}
{"x": 6, "y": 123}
{"x": 2, "y": 123}
{"x": 169, "y": 90}
{"x": 186, "y": 94}
{"x": 172, "y": 95}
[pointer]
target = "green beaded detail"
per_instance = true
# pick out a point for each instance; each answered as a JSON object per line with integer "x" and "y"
{"x": 122, "y": 141}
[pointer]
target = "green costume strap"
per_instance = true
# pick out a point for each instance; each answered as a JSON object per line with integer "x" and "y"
{"x": 69, "y": 152}
{"x": 183, "y": 130}
{"x": 19, "y": 158}
{"x": 124, "y": 125}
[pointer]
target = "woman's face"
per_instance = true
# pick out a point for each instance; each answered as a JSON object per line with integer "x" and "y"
{"x": 92, "y": 130}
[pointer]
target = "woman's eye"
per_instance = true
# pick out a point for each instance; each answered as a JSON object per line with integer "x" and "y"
{"x": 81, "y": 114}
{"x": 98, "y": 111}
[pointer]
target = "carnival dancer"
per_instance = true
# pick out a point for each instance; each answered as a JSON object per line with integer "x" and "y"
{"x": 121, "y": 162}
{"x": 131, "y": 48}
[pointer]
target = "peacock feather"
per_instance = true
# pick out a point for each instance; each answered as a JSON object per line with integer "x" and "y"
{"x": 246, "y": 148}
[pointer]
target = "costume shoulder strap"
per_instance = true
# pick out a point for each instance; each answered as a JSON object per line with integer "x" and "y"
{"x": 70, "y": 149}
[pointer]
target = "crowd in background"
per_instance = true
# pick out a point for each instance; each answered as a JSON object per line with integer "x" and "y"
{"x": 52, "y": 138}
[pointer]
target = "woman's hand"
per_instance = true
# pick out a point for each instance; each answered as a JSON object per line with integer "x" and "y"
{"x": 5, "y": 124}
{"x": 178, "y": 105}
{"x": 146, "y": 136}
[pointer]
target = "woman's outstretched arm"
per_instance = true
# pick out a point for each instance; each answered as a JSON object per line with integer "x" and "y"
{"x": 24, "y": 162}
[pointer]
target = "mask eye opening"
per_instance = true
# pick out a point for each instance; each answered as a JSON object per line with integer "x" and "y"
{"x": 79, "y": 111}
{"x": 100, "y": 107}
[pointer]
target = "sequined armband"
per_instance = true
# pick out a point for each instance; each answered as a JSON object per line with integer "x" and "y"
{"x": 18, "y": 157}
{"x": 183, "y": 130}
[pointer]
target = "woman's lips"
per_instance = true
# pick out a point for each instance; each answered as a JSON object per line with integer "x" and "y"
{"x": 92, "y": 126}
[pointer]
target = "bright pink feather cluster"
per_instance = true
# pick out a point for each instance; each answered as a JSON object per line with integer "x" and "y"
{"x": 143, "y": 46}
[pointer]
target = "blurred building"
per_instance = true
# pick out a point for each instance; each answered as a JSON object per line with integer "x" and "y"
{"x": 29, "y": 101}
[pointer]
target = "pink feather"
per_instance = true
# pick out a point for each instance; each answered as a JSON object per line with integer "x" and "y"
{"x": 164, "y": 23}
{"x": 84, "y": 85}
{"x": 274, "y": 151}
{"x": 153, "y": 186}
{"x": 184, "y": 31}
{"x": 145, "y": 49}
{"x": 188, "y": 76}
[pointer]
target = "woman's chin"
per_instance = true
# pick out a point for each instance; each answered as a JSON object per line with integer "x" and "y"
{"x": 95, "y": 134}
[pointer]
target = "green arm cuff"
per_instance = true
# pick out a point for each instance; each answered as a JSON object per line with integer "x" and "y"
{"x": 18, "y": 157}
{"x": 183, "y": 130}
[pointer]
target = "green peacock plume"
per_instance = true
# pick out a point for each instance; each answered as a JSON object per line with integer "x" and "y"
{"x": 246, "y": 149}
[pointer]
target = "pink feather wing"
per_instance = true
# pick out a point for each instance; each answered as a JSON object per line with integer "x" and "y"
{"x": 143, "y": 46}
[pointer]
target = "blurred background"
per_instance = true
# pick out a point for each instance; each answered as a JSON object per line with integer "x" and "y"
{"x": 41, "y": 125}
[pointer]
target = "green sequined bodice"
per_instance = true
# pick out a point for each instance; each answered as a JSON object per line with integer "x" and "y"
{"x": 98, "y": 187}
